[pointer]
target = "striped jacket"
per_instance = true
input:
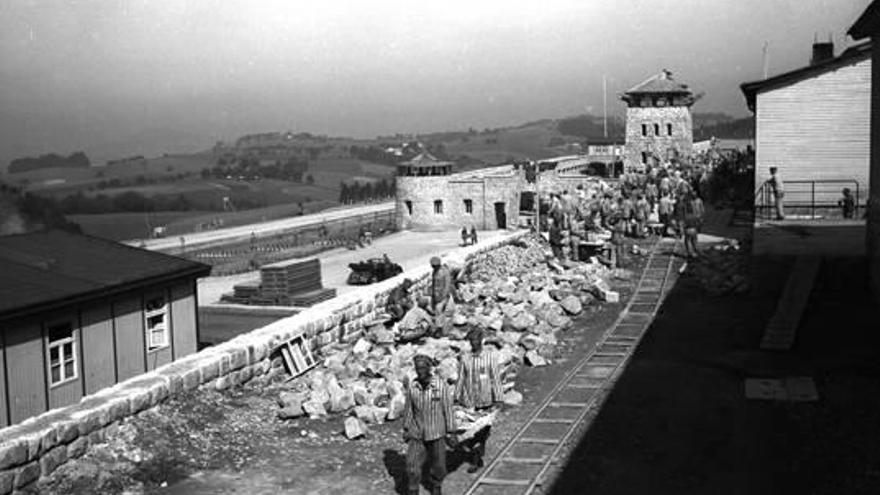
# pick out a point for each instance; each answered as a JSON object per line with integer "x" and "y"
{"x": 428, "y": 413}
{"x": 479, "y": 379}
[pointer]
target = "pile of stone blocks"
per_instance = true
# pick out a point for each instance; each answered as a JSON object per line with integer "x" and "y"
{"x": 522, "y": 299}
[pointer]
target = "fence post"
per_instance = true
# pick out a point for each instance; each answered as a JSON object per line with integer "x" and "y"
{"x": 812, "y": 200}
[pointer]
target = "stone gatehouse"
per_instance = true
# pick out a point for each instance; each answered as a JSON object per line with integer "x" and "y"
{"x": 659, "y": 126}
{"x": 432, "y": 198}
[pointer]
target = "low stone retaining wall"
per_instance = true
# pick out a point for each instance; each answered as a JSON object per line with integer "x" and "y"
{"x": 39, "y": 445}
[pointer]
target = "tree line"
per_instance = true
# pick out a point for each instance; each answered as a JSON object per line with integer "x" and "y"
{"x": 368, "y": 191}
{"x": 52, "y": 160}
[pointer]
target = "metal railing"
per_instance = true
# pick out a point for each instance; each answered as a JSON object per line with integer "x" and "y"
{"x": 802, "y": 196}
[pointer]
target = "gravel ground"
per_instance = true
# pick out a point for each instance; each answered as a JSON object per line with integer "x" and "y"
{"x": 232, "y": 442}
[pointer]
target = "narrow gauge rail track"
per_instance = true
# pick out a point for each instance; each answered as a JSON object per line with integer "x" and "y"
{"x": 523, "y": 463}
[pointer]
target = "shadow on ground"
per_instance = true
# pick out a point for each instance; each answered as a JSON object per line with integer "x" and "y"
{"x": 678, "y": 421}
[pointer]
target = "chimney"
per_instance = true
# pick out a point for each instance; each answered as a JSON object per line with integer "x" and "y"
{"x": 822, "y": 51}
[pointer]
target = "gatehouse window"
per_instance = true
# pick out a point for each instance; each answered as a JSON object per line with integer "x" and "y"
{"x": 656, "y": 129}
{"x": 668, "y": 129}
{"x": 408, "y": 207}
{"x": 644, "y": 129}
{"x": 438, "y": 207}
{"x": 644, "y": 157}
{"x": 469, "y": 206}
{"x": 62, "y": 353}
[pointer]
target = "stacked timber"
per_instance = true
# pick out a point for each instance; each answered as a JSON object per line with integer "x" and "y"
{"x": 286, "y": 283}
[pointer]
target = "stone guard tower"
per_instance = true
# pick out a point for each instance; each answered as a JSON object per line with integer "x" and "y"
{"x": 659, "y": 126}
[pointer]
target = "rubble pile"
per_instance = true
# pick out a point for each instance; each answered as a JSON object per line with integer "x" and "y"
{"x": 521, "y": 299}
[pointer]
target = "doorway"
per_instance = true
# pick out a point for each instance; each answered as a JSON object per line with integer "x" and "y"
{"x": 500, "y": 216}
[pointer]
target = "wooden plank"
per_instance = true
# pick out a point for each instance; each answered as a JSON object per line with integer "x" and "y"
{"x": 525, "y": 460}
{"x": 98, "y": 350}
{"x": 504, "y": 482}
{"x": 553, "y": 420}
{"x": 27, "y": 374}
{"x": 539, "y": 440}
{"x": 568, "y": 404}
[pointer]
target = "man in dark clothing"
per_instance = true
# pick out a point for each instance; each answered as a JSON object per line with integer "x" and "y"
{"x": 618, "y": 230}
{"x": 556, "y": 239}
{"x": 693, "y": 221}
{"x": 399, "y": 301}
{"x": 473, "y": 234}
{"x": 847, "y": 203}
{"x": 428, "y": 423}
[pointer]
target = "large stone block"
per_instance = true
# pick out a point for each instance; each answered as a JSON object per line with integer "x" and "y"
{"x": 192, "y": 378}
{"x": 67, "y": 431}
{"x": 52, "y": 459}
{"x": 13, "y": 453}
{"x": 26, "y": 474}
{"x": 119, "y": 408}
{"x": 7, "y": 482}
{"x": 238, "y": 358}
{"x": 77, "y": 448}
{"x": 245, "y": 374}
{"x": 223, "y": 383}
{"x": 88, "y": 420}
{"x": 209, "y": 368}
{"x": 158, "y": 393}
{"x": 138, "y": 400}
{"x": 49, "y": 440}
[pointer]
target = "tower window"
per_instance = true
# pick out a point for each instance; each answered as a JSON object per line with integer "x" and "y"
{"x": 656, "y": 129}
{"x": 668, "y": 129}
{"x": 644, "y": 129}
{"x": 644, "y": 157}
{"x": 469, "y": 206}
{"x": 438, "y": 207}
{"x": 408, "y": 207}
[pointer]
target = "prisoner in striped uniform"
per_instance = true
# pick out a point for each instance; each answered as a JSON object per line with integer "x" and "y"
{"x": 479, "y": 386}
{"x": 428, "y": 419}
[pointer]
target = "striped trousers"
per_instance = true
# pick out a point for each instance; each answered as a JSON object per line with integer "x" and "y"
{"x": 417, "y": 452}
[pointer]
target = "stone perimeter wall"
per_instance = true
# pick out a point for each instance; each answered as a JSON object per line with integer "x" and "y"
{"x": 37, "y": 446}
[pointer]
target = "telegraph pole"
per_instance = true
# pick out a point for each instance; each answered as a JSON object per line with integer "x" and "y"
{"x": 605, "y": 105}
{"x": 766, "y": 57}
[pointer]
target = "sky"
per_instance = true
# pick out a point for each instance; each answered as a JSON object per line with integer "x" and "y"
{"x": 143, "y": 76}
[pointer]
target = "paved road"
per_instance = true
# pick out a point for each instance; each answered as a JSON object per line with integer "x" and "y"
{"x": 244, "y": 232}
{"x": 409, "y": 249}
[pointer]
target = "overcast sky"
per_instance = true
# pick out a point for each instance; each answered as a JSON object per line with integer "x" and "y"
{"x": 80, "y": 74}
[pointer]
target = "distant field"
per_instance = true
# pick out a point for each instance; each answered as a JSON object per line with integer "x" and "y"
{"x": 127, "y": 226}
{"x": 123, "y": 226}
{"x": 330, "y": 172}
{"x": 526, "y": 142}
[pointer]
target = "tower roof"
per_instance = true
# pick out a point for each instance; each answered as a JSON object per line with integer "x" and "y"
{"x": 659, "y": 83}
{"x": 425, "y": 159}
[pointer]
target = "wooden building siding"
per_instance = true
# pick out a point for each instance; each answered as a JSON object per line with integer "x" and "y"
{"x": 183, "y": 319}
{"x": 98, "y": 349}
{"x": 110, "y": 346}
{"x": 128, "y": 322}
{"x": 4, "y": 407}
{"x": 25, "y": 371}
{"x": 817, "y": 129}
